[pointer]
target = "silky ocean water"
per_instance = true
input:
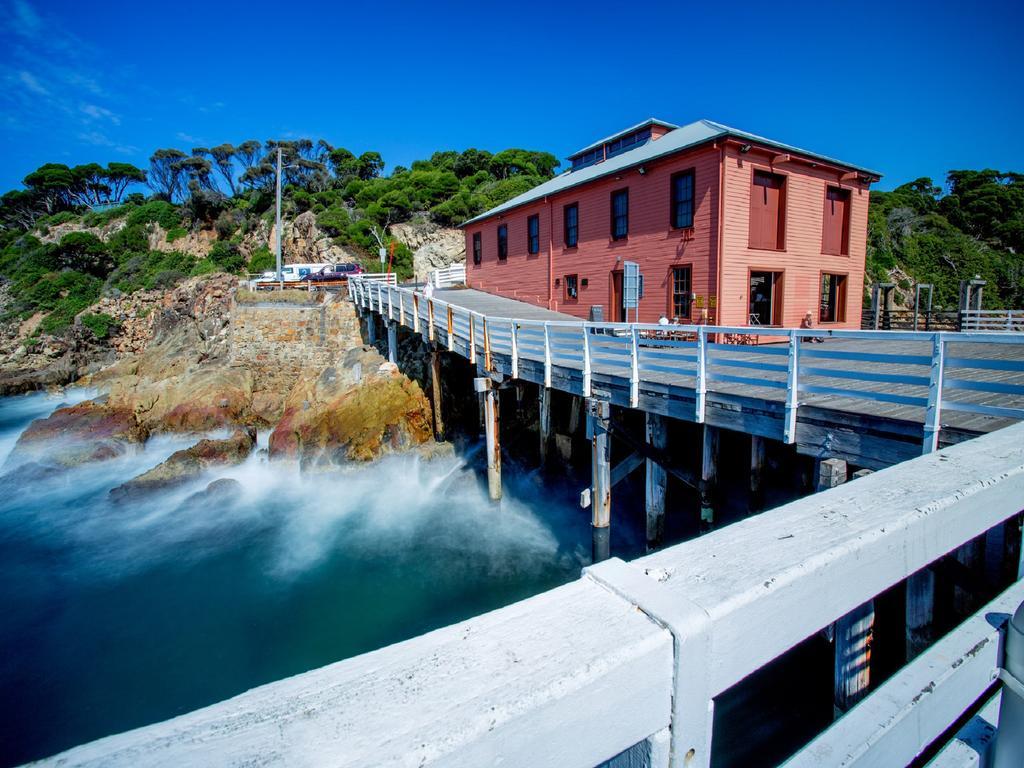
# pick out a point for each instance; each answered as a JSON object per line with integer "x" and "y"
{"x": 114, "y": 616}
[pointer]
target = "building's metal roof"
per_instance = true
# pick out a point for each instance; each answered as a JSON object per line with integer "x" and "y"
{"x": 623, "y": 132}
{"x": 677, "y": 140}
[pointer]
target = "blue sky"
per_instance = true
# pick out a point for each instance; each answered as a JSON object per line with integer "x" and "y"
{"x": 910, "y": 89}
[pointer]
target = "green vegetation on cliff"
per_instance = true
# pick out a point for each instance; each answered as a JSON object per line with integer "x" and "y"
{"x": 976, "y": 228}
{"x": 228, "y": 190}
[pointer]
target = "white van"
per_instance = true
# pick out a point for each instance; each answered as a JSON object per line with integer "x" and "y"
{"x": 292, "y": 273}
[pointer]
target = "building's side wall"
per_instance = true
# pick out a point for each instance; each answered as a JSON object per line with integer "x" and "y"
{"x": 802, "y": 261}
{"x": 651, "y": 241}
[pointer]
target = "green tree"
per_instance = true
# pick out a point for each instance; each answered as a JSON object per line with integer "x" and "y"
{"x": 165, "y": 174}
{"x": 120, "y": 176}
{"x": 371, "y": 165}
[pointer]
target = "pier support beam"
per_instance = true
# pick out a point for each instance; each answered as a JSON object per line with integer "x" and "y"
{"x": 544, "y": 406}
{"x": 598, "y": 416}
{"x": 492, "y": 435}
{"x": 708, "y": 477}
{"x": 371, "y": 328}
{"x": 393, "y": 342}
{"x": 920, "y": 612}
{"x": 757, "y": 458}
{"x": 853, "y": 632}
{"x": 656, "y": 479}
{"x": 831, "y": 472}
{"x": 435, "y": 392}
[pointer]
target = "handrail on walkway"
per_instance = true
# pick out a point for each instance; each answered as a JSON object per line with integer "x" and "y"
{"x": 943, "y": 375}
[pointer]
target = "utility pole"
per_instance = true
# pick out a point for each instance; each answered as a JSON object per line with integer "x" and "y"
{"x": 278, "y": 226}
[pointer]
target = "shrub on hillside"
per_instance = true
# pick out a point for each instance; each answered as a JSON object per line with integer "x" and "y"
{"x": 176, "y": 234}
{"x": 262, "y": 260}
{"x": 100, "y": 323}
{"x": 156, "y": 212}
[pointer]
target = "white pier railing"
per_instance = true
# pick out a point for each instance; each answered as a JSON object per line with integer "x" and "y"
{"x": 945, "y": 372}
{"x": 629, "y": 660}
{"x": 453, "y": 274}
{"x": 1005, "y": 320}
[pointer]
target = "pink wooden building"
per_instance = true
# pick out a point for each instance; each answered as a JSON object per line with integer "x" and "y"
{"x": 726, "y": 227}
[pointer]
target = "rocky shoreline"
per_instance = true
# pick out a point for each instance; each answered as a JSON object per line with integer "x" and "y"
{"x": 172, "y": 369}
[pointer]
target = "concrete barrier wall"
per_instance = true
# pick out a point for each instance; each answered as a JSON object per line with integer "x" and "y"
{"x": 280, "y": 341}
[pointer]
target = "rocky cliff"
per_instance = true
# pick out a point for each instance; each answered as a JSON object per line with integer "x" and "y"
{"x": 433, "y": 246}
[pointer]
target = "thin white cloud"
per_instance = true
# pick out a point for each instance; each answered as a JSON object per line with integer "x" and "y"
{"x": 96, "y": 112}
{"x": 182, "y": 136}
{"x": 31, "y": 82}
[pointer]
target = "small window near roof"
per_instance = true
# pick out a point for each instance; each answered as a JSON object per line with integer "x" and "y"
{"x": 477, "y": 248}
{"x": 502, "y": 242}
{"x": 533, "y": 234}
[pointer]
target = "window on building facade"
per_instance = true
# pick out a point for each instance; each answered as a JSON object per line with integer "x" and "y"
{"x": 767, "y": 211}
{"x": 533, "y": 234}
{"x": 503, "y": 241}
{"x": 620, "y": 214}
{"x": 833, "y": 299}
{"x": 572, "y": 287}
{"x": 835, "y": 225}
{"x": 765, "y": 298}
{"x": 571, "y": 216}
{"x": 682, "y": 292}
{"x": 682, "y": 199}
{"x": 478, "y": 248}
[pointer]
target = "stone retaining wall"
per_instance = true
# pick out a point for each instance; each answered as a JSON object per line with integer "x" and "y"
{"x": 279, "y": 341}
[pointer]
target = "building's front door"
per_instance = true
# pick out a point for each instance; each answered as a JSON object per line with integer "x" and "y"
{"x": 617, "y": 313}
{"x": 765, "y": 298}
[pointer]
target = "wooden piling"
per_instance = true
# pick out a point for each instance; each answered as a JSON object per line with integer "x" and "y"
{"x": 708, "y": 477}
{"x": 435, "y": 391}
{"x": 656, "y": 479}
{"x": 598, "y": 415}
{"x": 854, "y": 631}
{"x": 371, "y": 328}
{"x": 544, "y": 406}
{"x": 831, "y": 472}
{"x": 757, "y": 458}
{"x": 393, "y": 342}
{"x": 492, "y": 435}
{"x": 920, "y": 612}
{"x": 575, "y": 407}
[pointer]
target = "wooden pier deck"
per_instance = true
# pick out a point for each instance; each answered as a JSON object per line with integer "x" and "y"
{"x": 873, "y": 398}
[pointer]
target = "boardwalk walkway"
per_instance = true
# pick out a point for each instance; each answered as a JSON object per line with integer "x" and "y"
{"x": 873, "y": 397}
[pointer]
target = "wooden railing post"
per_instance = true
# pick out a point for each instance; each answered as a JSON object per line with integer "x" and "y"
{"x": 430, "y": 319}
{"x": 415, "y": 313}
{"x": 547, "y": 355}
{"x": 391, "y": 304}
{"x": 792, "y": 389}
{"x": 514, "y": 342}
{"x": 586, "y": 361}
{"x": 701, "y": 385}
{"x": 634, "y": 368}
{"x": 487, "y": 346}
{"x": 451, "y": 329}
{"x": 932, "y": 415}
{"x": 472, "y": 338}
